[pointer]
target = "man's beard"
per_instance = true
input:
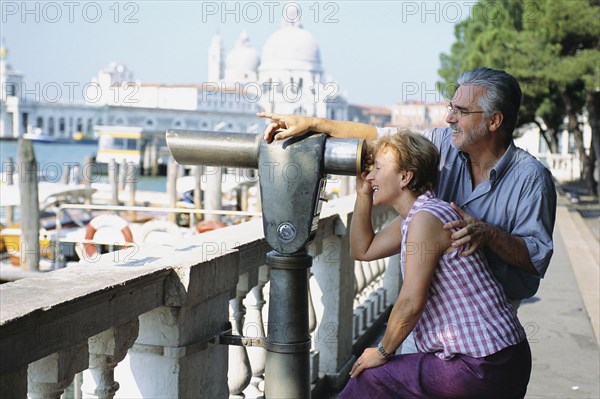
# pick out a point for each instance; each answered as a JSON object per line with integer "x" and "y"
{"x": 469, "y": 138}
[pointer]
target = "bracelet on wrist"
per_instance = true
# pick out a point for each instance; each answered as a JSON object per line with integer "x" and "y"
{"x": 382, "y": 351}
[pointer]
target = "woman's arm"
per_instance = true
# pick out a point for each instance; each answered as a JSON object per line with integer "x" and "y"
{"x": 365, "y": 244}
{"x": 426, "y": 243}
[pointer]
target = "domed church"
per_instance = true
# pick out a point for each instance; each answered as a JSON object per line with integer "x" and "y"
{"x": 287, "y": 78}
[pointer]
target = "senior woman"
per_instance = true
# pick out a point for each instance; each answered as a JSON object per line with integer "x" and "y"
{"x": 470, "y": 343}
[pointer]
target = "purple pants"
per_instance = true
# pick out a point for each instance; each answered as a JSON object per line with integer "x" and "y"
{"x": 504, "y": 374}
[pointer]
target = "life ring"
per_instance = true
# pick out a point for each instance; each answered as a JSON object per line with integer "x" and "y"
{"x": 160, "y": 225}
{"x": 101, "y": 221}
{"x": 208, "y": 225}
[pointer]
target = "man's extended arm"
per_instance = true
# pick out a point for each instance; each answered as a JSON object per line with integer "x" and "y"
{"x": 295, "y": 125}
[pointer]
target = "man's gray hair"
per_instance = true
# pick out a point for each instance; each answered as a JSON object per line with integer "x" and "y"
{"x": 503, "y": 94}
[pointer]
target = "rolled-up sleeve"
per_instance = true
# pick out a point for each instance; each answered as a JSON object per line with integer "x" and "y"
{"x": 535, "y": 223}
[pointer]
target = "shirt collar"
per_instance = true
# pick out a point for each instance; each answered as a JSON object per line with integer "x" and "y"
{"x": 502, "y": 164}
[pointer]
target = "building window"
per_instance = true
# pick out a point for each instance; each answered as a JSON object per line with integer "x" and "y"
{"x": 90, "y": 126}
{"x": 11, "y": 89}
{"x": 25, "y": 118}
{"x": 39, "y": 122}
{"x": 51, "y": 126}
{"x": 132, "y": 144}
{"x": 79, "y": 127}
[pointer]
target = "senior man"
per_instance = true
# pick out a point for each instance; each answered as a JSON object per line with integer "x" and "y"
{"x": 505, "y": 196}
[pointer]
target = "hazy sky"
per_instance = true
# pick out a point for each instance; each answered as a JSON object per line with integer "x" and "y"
{"x": 379, "y": 52}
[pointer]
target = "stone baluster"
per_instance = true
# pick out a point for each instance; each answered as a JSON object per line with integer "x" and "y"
{"x": 392, "y": 279}
{"x": 375, "y": 294}
{"x": 239, "y": 373}
{"x": 369, "y": 316}
{"x": 254, "y": 326}
{"x": 381, "y": 291}
{"x": 361, "y": 281}
{"x": 107, "y": 349}
{"x": 370, "y": 301}
{"x": 359, "y": 310}
{"x": 333, "y": 296}
{"x": 47, "y": 378}
{"x": 374, "y": 266}
{"x": 312, "y": 325}
{"x": 368, "y": 279}
{"x": 362, "y": 294}
{"x": 265, "y": 309}
{"x": 365, "y": 295}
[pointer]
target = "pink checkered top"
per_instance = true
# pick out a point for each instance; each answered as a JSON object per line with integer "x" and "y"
{"x": 467, "y": 311}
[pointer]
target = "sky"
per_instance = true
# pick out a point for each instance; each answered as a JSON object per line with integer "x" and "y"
{"x": 378, "y": 52}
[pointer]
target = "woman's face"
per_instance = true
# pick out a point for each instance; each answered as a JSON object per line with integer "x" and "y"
{"x": 385, "y": 179}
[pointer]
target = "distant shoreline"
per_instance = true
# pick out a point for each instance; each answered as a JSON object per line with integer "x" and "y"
{"x": 52, "y": 141}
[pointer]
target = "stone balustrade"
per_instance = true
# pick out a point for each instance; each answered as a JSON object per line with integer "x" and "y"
{"x": 142, "y": 322}
{"x": 564, "y": 167}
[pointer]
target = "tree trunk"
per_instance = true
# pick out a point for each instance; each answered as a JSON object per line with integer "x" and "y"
{"x": 586, "y": 169}
{"x": 592, "y": 102}
{"x": 549, "y": 136}
{"x": 586, "y": 161}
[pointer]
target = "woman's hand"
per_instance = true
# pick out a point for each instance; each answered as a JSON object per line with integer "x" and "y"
{"x": 363, "y": 187}
{"x": 369, "y": 358}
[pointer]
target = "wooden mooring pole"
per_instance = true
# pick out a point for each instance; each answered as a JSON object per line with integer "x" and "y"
{"x": 197, "y": 190}
{"x": 30, "y": 207}
{"x": 10, "y": 180}
{"x": 172, "y": 188}
{"x": 113, "y": 181}
{"x": 88, "y": 175}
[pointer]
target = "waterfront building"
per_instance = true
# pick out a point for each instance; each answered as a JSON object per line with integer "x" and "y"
{"x": 288, "y": 78}
{"x": 379, "y": 116}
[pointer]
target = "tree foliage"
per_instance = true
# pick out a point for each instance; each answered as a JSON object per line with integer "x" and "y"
{"x": 553, "y": 48}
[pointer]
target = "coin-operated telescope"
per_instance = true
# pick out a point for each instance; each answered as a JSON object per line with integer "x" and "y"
{"x": 292, "y": 175}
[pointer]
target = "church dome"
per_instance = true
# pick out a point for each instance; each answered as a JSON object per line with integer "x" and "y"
{"x": 243, "y": 57}
{"x": 291, "y": 47}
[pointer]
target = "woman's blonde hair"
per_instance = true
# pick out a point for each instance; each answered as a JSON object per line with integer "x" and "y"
{"x": 412, "y": 153}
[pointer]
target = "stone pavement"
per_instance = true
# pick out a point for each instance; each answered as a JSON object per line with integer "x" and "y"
{"x": 559, "y": 318}
{"x": 564, "y": 344}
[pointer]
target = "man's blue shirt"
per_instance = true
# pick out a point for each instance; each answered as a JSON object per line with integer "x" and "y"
{"x": 519, "y": 198}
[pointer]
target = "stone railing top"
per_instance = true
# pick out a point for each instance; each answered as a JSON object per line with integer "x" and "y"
{"x": 118, "y": 269}
{"x": 44, "y": 314}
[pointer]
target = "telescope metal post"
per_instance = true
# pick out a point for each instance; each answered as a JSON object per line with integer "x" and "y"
{"x": 287, "y": 368}
{"x": 292, "y": 184}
